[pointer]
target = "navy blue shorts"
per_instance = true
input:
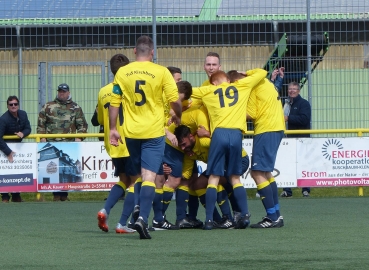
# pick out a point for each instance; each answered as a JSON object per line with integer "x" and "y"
{"x": 174, "y": 159}
{"x": 245, "y": 164}
{"x": 225, "y": 152}
{"x": 145, "y": 153}
{"x": 264, "y": 150}
{"x": 120, "y": 165}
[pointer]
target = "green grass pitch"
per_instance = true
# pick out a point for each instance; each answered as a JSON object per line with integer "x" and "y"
{"x": 319, "y": 233}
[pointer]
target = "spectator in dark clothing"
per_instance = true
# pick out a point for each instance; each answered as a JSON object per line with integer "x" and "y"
{"x": 13, "y": 122}
{"x": 297, "y": 114}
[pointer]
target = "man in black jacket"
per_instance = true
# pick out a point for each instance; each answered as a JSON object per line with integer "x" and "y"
{"x": 297, "y": 114}
{"x": 13, "y": 122}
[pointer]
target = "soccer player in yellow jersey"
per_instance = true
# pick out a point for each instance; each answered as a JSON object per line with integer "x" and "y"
{"x": 142, "y": 83}
{"x": 226, "y": 104}
{"x": 176, "y": 73}
{"x": 172, "y": 158}
{"x": 196, "y": 148}
{"x": 118, "y": 154}
{"x": 194, "y": 117}
{"x": 265, "y": 109}
{"x": 211, "y": 65}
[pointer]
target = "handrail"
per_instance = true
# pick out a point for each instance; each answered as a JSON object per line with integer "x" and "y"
{"x": 37, "y": 137}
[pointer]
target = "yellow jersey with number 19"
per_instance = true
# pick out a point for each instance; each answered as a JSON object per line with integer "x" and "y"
{"x": 226, "y": 103}
{"x": 103, "y": 104}
{"x": 142, "y": 84}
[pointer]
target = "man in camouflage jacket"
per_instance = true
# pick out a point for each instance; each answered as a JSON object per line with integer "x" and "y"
{"x": 61, "y": 116}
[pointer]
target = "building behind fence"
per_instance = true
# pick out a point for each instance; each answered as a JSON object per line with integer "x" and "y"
{"x": 47, "y": 42}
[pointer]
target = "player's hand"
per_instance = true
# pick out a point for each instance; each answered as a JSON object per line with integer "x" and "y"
{"x": 285, "y": 118}
{"x": 281, "y": 72}
{"x": 202, "y": 132}
{"x": 274, "y": 75}
{"x": 115, "y": 138}
{"x": 166, "y": 169}
{"x": 19, "y": 134}
{"x": 10, "y": 156}
{"x": 176, "y": 120}
{"x": 43, "y": 140}
{"x": 77, "y": 140}
{"x": 190, "y": 153}
{"x": 172, "y": 138}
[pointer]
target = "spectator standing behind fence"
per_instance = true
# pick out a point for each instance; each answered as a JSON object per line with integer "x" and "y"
{"x": 13, "y": 122}
{"x": 61, "y": 116}
{"x": 297, "y": 114}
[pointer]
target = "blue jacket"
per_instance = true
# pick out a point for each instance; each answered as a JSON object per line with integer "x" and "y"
{"x": 278, "y": 84}
{"x": 300, "y": 116}
{"x": 9, "y": 125}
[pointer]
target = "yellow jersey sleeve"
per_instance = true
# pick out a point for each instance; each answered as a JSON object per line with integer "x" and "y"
{"x": 169, "y": 87}
{"x": 116, "y": 96}
{"x": 206, "y": 83}
{"x": 251, "y": 105}
{"x": 269, "y": 112}
{"x": 205, "y": 142}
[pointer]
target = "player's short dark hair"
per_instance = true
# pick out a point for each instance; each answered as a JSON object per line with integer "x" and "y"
{"x": 144, "y": 45}
{"x": 216, "y": 75}
{"x": 10, "y": 98}
{"x": 182, "y": 132}
{"x": 213, "y": 54}
{"x": 234, "y": 75}
{"x": 184, "y": 87}
{"x": 117, "y": 61}
{"x": 174, "y": 70}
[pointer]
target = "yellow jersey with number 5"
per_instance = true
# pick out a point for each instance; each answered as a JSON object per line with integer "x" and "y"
{"x": 142, "y": 85}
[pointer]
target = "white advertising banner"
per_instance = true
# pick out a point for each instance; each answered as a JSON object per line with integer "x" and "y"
{"x": 69, "y": 166}
{"x": 85, "y": 166}
{"x": 284, "y": 169}
{"x": 21, "y": 174}
{"x": 333, "y": 162}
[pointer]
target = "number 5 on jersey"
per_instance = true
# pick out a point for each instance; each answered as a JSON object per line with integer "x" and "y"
{"x": 139, "y": 91}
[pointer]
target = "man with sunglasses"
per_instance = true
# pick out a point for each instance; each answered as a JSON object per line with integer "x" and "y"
{"x": 13, "y": 122}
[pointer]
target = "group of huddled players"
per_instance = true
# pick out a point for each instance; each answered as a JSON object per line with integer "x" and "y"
{"x": 156, "y": 128}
